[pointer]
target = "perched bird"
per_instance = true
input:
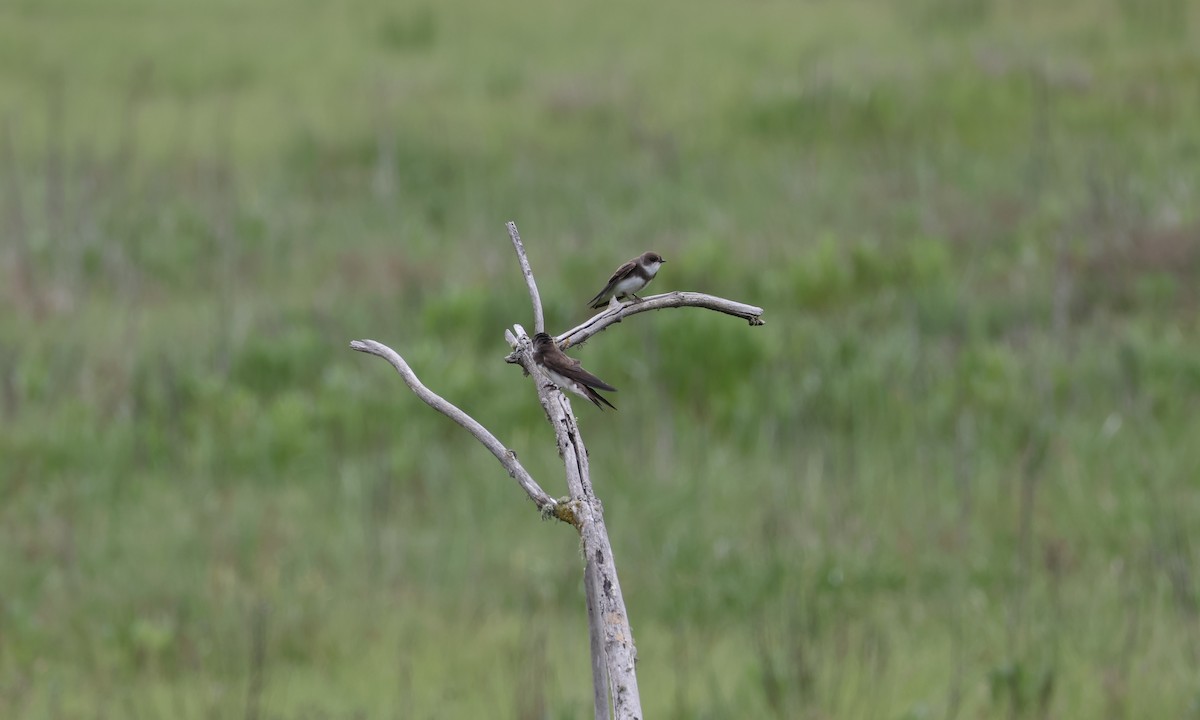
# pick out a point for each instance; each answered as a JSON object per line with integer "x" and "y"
{"x": 629, "y": 279}
{"x": 566, "y": 372}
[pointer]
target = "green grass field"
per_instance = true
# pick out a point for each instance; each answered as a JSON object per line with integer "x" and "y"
{"x": 956, "y": 475}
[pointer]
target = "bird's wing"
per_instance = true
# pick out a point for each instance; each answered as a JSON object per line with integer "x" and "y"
{"x": 620, "y": 274}
{"x": 569, "y": 367}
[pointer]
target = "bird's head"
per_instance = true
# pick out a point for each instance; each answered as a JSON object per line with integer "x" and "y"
{"x": 651, "y": 261}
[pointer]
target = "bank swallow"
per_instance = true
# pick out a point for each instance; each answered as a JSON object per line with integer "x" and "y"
{"x": 629, "y": 279}
{"x": 566, "y": 372}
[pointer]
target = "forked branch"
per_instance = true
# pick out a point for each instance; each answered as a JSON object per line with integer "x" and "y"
{"x": 613, "y": 653}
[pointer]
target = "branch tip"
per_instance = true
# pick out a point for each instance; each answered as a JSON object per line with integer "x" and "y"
{"x": 539, "y": 319}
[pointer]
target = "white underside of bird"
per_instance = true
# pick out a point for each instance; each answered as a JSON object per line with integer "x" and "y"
{"x": 566, "y": 383}
{"x": 629, "y": 285}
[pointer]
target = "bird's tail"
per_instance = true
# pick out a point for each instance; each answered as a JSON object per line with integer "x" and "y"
{"x": 597, "y": 398}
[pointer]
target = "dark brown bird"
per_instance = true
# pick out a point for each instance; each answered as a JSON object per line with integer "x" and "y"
{"x": 566, "y": 372}
{"x": 629, "y": 279}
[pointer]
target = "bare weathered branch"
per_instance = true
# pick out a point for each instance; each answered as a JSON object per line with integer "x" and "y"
{"x": 539, "y": 320}
{"x": 613, "y": 651}
{"x": 506, "y": 457}
{"x": 680, "y": 298}
{"x": 614, "y": 656}
{"x": 600, "y": 688}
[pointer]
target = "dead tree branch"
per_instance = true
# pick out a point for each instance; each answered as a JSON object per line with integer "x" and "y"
{"x": 575, "y": 460}
{"x": 539, "y": 319}
{"x": 614, "y": 676}
{"x": 614, "y": 656}
{"x": 506, "y": 457}
{"x": 614, "y": 313}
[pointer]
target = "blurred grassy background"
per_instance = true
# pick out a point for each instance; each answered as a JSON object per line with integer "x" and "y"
{"x": 954, "y": 476}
